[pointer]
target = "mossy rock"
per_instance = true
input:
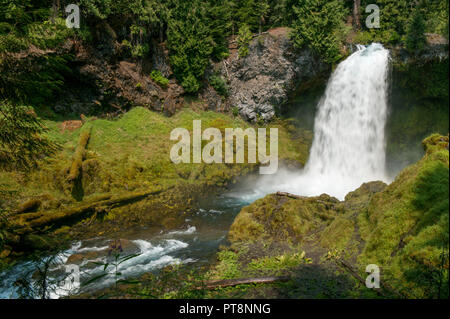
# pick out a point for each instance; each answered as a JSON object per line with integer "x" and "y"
{"x": 402, "y": 227}
{"x": 406, "y": 226}
{"x": 283, "y": 219}
{"x": 36, "y": 242}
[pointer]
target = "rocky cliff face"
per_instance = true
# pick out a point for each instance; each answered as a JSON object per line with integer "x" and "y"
{"x": 104, "y": 80}
{"x": 435, "y": 50}
{"x": 262, "y": 81}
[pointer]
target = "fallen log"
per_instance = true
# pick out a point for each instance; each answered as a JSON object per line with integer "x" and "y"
{"x": 32, "y": 221}
{"x": 242, "y": 281}
{"x": 77, "y": 161}
{"x": 290, "y": 195}
{"x": 29, "y": 206}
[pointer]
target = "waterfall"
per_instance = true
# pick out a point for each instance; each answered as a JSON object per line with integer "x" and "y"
{"x": 349, "y": 143}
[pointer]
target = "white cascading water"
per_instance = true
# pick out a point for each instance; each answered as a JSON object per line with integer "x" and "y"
{"x": 349, "y": 144}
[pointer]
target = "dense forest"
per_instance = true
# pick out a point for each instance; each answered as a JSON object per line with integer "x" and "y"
{"x": 111, "y": 171}
{"x": 195, "y": 33}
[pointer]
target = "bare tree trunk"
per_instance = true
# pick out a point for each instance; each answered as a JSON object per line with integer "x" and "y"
{"x": 55, "y": 9}
{"x": 356, "y": 14}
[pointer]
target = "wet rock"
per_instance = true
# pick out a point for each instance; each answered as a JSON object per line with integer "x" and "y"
{"x": 77, "y": 259}
{"x": 160, "y": 59}
{"x": 105, "y": 83}
{"x": 123, "y": 246}
{"x": 436, "y": 49}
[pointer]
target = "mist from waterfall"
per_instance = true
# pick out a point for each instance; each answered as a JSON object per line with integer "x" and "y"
{"x": 349, "y": 141}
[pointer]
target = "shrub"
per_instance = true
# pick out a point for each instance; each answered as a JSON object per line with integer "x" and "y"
{"x": 235, "y": 111}
{"x": 157, "y": 76}
{"x": 190, "y": 84}
{"x": 219, "y": 84}
{"x": 139, "y": 51}
{"x": 243, "y": 39}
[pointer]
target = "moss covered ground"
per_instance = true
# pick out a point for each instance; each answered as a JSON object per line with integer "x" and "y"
{"x": 102, "y": 169}
{"x": 402, "y": 227}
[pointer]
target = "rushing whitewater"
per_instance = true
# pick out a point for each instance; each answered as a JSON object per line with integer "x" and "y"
{"x": 349, "y": 143}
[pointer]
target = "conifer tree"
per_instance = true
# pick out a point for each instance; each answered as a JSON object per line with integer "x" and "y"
{"x": 317, "y": 27}
{"x": 190, "y": 43}
{"x": 415, "y": 37}
{"x": 243, "y": 40}
{"x": 22, "y": 142}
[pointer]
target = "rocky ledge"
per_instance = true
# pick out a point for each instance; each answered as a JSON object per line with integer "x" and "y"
{"x": 262, "y": 81}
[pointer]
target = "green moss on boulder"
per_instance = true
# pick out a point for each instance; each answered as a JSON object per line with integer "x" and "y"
{"x": 283, "y": 219}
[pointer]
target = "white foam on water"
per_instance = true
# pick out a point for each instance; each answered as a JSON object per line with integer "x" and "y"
{"x": 189, "y": 231}
{"x": 90, "y": 249}
{"x": 151, "y": 257}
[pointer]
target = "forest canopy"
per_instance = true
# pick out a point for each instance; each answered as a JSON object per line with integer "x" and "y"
{"x": 197, "y": 31}
{"x": 194, "y": 32}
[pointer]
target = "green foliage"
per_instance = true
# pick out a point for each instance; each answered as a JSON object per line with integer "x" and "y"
{"x": 24, "y": 23}
{"x": 190, "y": 43}
{"x": 277, "y": 265}
{"x": 317, "y": 26}
{"x": 228, "y": 267}
{"x": 235, "y": 111}
{"x": 196, "y": 33}
{"x": 428, "y": 81}
{"x": 406, "y": 226}
{"x": 238, "y": 263}
{"x": 415, "y": 37}
{"x": 219, "y": 84}
{"x": 267, "y": 221}
{"x": 157, "y": 76}
{"x": 395, "y": 17}
{"x": 243, "y": 40}
{"x": 34, "y": 79}
{"x": 22, "y": 142}
{"x": 112, "y": 267}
